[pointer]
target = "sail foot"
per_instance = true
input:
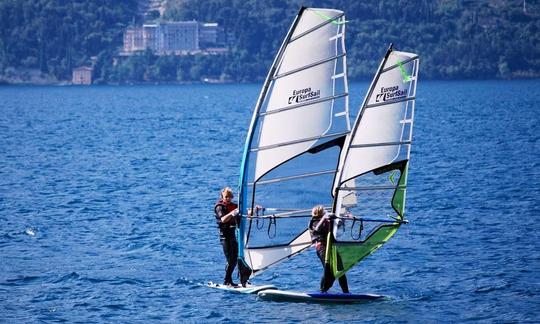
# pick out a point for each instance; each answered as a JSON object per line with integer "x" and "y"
{"x": 345, "y": 255}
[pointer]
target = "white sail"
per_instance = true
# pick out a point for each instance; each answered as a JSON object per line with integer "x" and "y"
{"x": 294, "y": 142}
{"x": 374, "y": 163}
{"x": 382, "y": 134}
{"x": 298, "y": 108}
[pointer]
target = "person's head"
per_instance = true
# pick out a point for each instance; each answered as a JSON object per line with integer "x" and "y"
{"x": 317, "y": 211}
{"x": 227, "y": 194}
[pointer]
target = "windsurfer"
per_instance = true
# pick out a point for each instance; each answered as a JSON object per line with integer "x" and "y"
{"x": 226, "y": 213}
{"x": 319, "y": 226}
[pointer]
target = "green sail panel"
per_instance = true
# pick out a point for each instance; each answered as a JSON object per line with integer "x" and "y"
{"x": 345, "y": 255}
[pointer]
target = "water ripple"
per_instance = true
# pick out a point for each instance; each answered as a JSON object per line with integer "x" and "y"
{"x": 106, "y": 199}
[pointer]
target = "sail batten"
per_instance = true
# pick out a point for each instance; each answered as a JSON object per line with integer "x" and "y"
{"x": 365, "y": 188}
{"x": 300, "y": 69}
{"x": 328, "y": 21}
{"x": 400, "y": 63}
{"x": 299, "y": 141}
{"x": 379, "y": 144}
{"x": 305, "y": 175}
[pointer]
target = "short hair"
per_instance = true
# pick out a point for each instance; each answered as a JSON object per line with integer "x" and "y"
{"x": 317, "y": 211}
{"x": 226, "y": 192}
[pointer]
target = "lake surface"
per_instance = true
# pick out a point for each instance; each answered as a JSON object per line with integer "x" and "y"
{"x": 107, "y": 194}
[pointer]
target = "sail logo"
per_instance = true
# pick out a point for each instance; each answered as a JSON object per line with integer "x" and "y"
{"x": 303, "y": 95}
{"x": 390, "y": 93}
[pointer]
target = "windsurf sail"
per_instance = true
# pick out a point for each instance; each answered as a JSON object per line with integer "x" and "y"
{"x": 292, "y": 149}
{"x": 374, "y": 164}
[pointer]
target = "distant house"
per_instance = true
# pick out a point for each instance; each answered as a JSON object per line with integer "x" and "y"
{"x": 82, "y": 75}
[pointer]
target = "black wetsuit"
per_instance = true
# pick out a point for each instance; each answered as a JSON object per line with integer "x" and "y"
{"x": 227, "y": 237}
{"x": 319, "y": 235}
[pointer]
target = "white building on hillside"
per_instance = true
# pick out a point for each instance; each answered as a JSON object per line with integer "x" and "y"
{"x": 175, "y": 38}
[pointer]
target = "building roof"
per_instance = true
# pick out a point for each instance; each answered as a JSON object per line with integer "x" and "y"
{"x": 83, "y": 68}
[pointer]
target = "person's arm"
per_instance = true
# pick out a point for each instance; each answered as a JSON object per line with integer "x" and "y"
{"x": 319, "y": 225}
{"x": 228, "y": 217}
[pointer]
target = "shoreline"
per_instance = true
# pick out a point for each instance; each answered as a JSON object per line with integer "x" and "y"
{"x": 4, "y": 83}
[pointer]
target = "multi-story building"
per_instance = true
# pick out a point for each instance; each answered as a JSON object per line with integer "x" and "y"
{"x": 173, "y": 37}
{"x": 179, "y": 37}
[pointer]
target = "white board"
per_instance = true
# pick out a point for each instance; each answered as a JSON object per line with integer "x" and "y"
{"x": 249, "y": 289}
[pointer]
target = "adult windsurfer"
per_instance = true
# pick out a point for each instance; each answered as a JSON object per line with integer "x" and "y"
{"x": 226, "y": 213}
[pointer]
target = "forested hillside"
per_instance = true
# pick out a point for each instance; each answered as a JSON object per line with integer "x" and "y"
{"x": 55, "y": 35}
{"x": 455, "y": 38}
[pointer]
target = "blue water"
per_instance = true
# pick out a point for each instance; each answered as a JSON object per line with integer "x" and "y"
{"x": 106, "y": 198}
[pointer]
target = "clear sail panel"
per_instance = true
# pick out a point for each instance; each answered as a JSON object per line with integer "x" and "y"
{"x": 288, "y": 193}
{"x": 374, "y": 194}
